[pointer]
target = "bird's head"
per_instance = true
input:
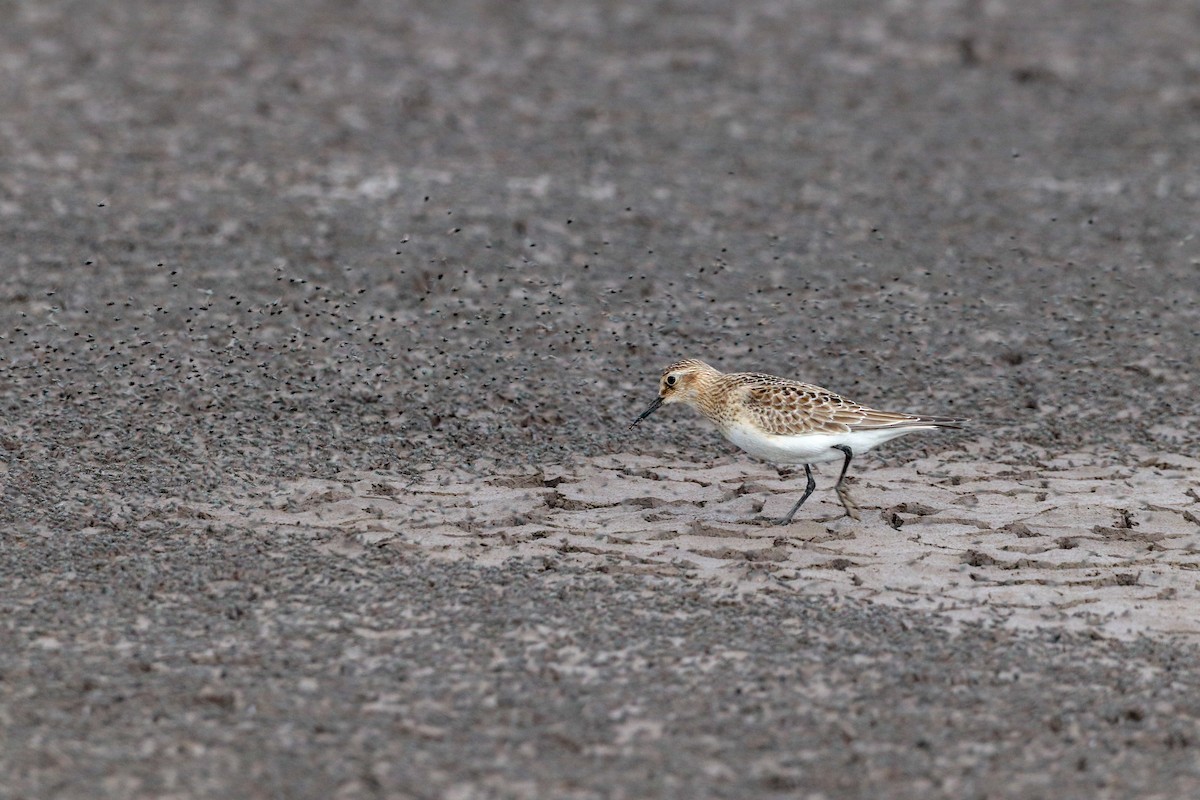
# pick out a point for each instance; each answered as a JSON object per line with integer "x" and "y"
{"x": 680, "y": 383}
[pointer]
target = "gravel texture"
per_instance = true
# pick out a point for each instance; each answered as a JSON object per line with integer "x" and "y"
{"x": 251, "y": 243}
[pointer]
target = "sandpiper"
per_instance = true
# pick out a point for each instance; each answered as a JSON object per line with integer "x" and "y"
{"x": 785, "y": 421}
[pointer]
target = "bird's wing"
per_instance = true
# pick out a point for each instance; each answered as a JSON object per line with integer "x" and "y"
{"x": 796, "y": 408}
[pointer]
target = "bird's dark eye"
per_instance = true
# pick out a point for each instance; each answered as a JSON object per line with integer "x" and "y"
{"x": 672, "y": 380}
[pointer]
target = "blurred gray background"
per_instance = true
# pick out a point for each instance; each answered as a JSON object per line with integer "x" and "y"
{"x": 260, "y": 240}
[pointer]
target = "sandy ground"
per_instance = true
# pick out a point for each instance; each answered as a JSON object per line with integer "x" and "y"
{"x": 322, "y": 325}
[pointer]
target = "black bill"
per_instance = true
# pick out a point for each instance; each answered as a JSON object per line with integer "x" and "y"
{"x": 658, "y": 401}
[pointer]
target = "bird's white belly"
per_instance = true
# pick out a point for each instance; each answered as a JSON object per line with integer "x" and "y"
{"x": 806, "y": 448}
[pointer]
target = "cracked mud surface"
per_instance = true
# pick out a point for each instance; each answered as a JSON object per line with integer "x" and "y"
{"x": 1068, "y": 543}
{"x": 322, "y": 324}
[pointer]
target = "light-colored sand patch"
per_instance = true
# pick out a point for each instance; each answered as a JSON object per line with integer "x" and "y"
{"x": 1071, "y": 542}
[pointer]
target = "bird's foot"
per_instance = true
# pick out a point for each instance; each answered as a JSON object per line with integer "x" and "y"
{"x": 768, "y": 522}
{"x": 848, "y": 504}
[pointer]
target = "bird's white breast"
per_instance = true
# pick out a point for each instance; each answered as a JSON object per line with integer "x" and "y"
{"x": 806, "y": 448}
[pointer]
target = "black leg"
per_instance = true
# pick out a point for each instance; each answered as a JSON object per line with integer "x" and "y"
{"x": 845, "y": 464}
{"x": 812, "y": 484}
{"x": 847, "y": 503}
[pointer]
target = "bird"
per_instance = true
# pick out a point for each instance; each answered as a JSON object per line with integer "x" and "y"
{"x": 783, "y": 421}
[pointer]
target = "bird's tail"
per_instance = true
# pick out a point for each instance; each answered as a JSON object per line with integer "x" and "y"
{"x": 939, "y": 422}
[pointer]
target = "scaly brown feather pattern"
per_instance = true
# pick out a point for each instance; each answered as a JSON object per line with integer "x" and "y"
{"x": 782, "y": 406}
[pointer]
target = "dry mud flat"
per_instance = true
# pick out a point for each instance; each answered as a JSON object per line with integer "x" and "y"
{"x": 1069, "y": 541}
